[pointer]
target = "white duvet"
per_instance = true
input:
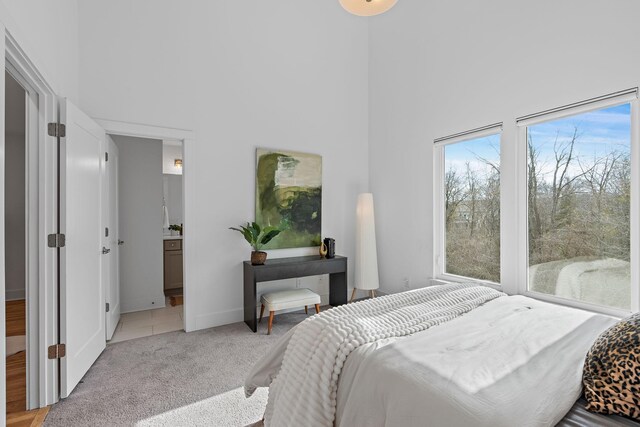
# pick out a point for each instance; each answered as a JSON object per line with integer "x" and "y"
{"x": 513, "y": 361}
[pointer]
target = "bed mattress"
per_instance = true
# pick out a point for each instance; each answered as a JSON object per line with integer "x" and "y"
{"x": 483, "y": 368}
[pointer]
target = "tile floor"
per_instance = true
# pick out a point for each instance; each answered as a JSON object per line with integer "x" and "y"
{"x": 149, "y": 322}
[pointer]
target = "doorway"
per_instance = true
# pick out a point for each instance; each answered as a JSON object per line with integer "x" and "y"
{"x": 21, "y": 245}
{"x": 149, "y": 249}
{"x": 58, "y": 200}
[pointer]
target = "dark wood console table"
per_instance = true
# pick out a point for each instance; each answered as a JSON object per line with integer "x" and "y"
{"x": 289, "y": 268}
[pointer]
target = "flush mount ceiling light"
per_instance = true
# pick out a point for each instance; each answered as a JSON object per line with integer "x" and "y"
{"x": 178, "y": 163}
{"x": 367, "y": 7}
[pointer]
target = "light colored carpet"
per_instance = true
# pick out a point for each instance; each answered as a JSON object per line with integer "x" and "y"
{"x": 174, "y": 379}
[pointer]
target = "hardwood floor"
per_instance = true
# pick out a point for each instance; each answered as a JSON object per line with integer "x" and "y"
{"x": 17, "y": 416}
{"x": 16, "y": 321}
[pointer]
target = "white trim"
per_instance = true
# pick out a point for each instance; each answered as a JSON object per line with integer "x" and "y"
{"x": 522, "y": 219}
{"x": 219, "y": 318}
{"x": 32, "y": 238}
{"x": 594, "y": 308}
{"x": 509, "y": 214}
{"x": 142, "y": 304}
{"x": 597, "y": 103}
{"x": 449, "y": 278}
{"x": 470, "y": 134}
{"x": 630, "y": 97}
{"x": 3, "y": 332}
{"x": 439, "y": 170}
{"x": 439, "y": 232}
{"x": 635, "y": 206}
{"x": 15, "y": 294}
{"x": 187, "y": 137}
{"x": 139, "y": 130}
{"x": 42, "y": 292}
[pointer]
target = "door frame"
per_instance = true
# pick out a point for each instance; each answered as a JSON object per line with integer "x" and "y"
{"x": 187, "y": 138}
{"x": 42, "y": 284}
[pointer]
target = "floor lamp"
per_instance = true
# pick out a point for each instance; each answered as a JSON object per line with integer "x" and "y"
{"x": 366, "y": 253}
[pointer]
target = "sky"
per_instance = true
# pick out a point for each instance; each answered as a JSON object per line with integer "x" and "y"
{"x": 599, "y": 133}
{"x": 472, "y": 151}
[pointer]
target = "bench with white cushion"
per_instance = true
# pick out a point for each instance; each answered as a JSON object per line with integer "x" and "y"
{"x": 283, "y": 300}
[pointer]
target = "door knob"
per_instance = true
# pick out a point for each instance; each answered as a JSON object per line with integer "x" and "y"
{"x": 105, "y": 250}
{"x": 120, "y": 242}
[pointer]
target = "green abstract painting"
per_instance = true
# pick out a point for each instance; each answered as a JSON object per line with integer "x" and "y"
{"x": 289, "y": 196}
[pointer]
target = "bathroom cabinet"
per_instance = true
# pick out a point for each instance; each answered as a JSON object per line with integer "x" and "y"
{"x": 172, "y": 265}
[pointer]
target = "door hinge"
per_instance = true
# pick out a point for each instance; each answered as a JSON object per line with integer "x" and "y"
{"x": 106, "y": 157}
{"x": 56, "y": 240}
{"x": 58, "y": 130}
{"x": 106, "y": 232}
{"x": 57, "y": 351}
{"x": 107, "y": 307}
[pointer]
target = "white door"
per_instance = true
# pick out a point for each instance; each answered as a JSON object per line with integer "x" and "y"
{"x": 112, "y": 259}
{"x": 82, "y": 300}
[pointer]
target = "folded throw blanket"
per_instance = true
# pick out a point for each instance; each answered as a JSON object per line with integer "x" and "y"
{"x": 304, "y": 391}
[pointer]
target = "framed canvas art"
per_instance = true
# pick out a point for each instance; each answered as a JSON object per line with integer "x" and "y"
{"x": 289, "y": 196}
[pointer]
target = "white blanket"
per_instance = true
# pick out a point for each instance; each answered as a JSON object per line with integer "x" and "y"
{"x": 304, "y": 391}
{"x": 513, "y": 362}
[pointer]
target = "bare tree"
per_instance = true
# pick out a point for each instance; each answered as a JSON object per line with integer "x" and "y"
{"x": 562, "y": 182}
{"x": 473, "y": 189}
{"x": 535, "y": 221}
{"x": 453, "y": 195}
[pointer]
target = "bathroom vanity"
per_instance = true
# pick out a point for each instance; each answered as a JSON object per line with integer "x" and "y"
{"x": 172, "y": 265}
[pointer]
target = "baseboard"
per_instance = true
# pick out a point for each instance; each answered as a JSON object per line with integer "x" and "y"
{"x": 221, "y": 318}
{"x": 211, "y": 320}
{"x": 14, "y": 294}
{"x": 141, "y": 304}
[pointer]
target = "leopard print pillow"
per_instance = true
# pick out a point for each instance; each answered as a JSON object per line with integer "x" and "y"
{"x": 611, "y": 375}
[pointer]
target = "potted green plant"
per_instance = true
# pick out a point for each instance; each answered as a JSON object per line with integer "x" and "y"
{"x": 176, "y": 230}
{"x": 257, "y": 238}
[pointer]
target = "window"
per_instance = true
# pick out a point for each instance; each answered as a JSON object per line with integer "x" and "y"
{"x": 470, "y": 211}
{"x": 579, "y": 204}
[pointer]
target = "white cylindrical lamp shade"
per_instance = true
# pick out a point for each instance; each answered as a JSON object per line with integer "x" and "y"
{"x": 366, "y": 262}
{"x": 367, "y": 7}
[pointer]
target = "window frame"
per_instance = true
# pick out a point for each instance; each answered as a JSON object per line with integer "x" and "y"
{"x": 439, "y": 260}
{"x": 521, "y": 198}
{"x": 514, "y": 251}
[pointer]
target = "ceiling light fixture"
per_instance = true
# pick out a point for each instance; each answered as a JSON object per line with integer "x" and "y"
{"x": 367, "y": 7}
{"x": 178, "y": 163}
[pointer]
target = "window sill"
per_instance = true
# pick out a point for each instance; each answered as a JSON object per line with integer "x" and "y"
{"x": 592, "y": 308}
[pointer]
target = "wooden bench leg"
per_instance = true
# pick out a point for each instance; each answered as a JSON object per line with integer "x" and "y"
{"x": 261, "y": 312}
{"x": 317, "y": 308}
{"x": 306, "y": 310}
{"x": 271, "y": 313}
{"x": 353, "y": 294}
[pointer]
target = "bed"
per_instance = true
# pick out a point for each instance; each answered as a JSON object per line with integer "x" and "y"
{"x": 448, "y": 355}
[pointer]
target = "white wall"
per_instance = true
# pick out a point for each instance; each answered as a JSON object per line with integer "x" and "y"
{"x": 441, "y": 67}
{"x": 290, "y": 74}
{"x": 15, "y": 161}
{"x": 48, "y": 32}
{"x": 140, "y": 218}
